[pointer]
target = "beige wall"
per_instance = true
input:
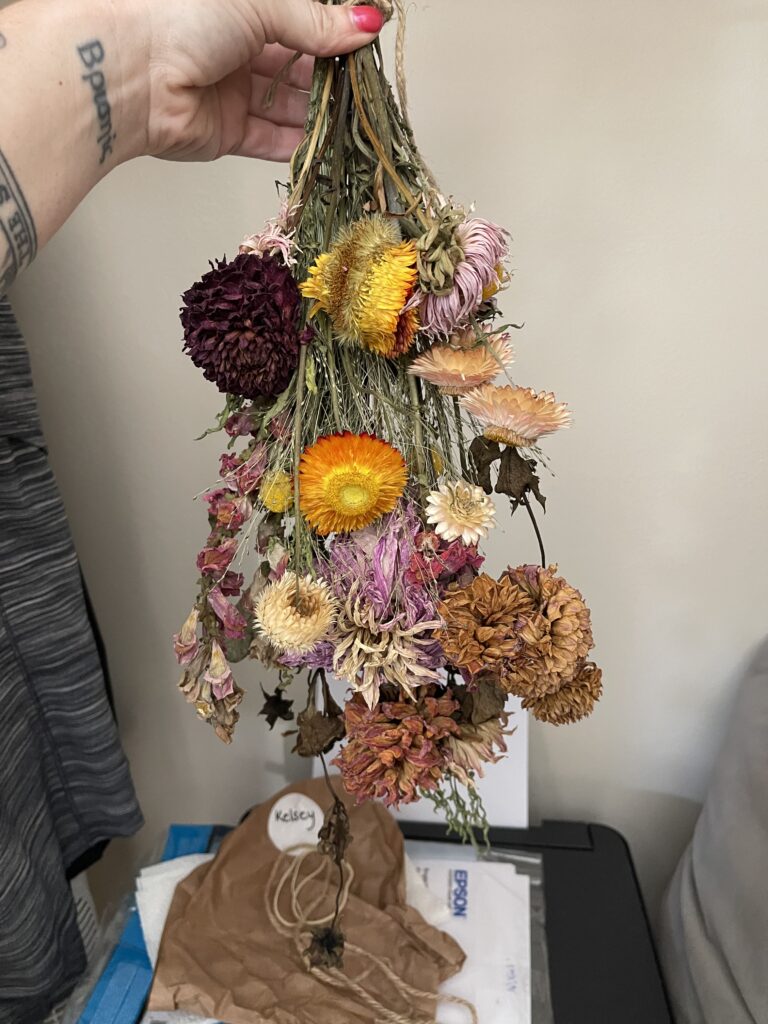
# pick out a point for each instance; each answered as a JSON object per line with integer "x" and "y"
{"x": 625, "y": 145}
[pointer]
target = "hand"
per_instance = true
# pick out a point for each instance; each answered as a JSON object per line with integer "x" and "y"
{"x": 211, "y": 62}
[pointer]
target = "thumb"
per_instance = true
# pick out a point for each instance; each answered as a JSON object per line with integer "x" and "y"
{"x": 316, "y": 28}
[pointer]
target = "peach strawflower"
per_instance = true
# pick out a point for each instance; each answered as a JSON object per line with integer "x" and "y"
{"x": 458, "y": 370}
{"x": 516, "y": 416}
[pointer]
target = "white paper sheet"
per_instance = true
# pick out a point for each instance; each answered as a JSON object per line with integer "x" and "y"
{"x": 488, "y": 907}
{"x": 155, "y": 887}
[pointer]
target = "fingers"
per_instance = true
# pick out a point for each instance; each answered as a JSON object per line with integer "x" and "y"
{"x": 318, "y": 29}
{"x": 288, "y": 108}
{"x": 267, "y": 141}
{"x": 275, "y": 57}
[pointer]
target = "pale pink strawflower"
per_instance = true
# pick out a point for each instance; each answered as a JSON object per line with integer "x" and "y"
{"x": 516, "y": 416}
{"x": 476, "y": 278}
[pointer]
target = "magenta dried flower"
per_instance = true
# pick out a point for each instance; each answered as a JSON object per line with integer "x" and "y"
{"x": 241, "y": 325}
{"x": 214, "y": 561}
{"x": 240, "y": 424}
{"x": 232, "y": 621}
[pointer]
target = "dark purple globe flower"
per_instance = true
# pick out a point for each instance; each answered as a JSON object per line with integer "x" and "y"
{"x": 241, "y": 325}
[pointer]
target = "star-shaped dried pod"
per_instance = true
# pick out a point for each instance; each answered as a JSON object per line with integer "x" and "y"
{"x": 517, "y": 477}
{"x": 276, "y": 706}
{"x": 326, "y": 948}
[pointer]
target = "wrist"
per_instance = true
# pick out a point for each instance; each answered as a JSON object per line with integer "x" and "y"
{"x": 112, "y": 62}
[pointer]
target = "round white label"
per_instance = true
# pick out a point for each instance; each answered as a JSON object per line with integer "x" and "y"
{"x": 294, "y": 820}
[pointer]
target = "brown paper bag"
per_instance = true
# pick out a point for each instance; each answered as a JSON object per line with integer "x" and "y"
{"x": 221, "y": 956}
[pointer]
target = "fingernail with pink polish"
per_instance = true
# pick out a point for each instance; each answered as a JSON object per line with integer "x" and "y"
{"x": 367, "y": 19}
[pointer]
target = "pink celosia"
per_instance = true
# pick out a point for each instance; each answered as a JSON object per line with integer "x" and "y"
{"x": 215, "y": 560}
{"x": 477, "y": 276}
{"x": 232, "y": 621}
{"x": 185, "y": 642}
{"x": 396, "y": 749}
{"x": 219, "y": 674}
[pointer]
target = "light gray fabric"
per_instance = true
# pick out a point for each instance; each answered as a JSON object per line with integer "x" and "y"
{"x": 714, "y": 928}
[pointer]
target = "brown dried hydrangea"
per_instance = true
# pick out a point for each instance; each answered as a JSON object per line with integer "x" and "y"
{"x": 573, "y": 701}
{"x": 480, "y": 623}
{"x": 556, "y": 637}
{"x": 531, "y": 631}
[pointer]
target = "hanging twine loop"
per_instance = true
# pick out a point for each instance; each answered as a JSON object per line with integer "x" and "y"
{"x": 294, "y": 896}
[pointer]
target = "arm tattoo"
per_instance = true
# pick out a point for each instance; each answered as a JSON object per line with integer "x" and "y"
{"x": 18, "y": 238}
{"x": 92, "y": 56}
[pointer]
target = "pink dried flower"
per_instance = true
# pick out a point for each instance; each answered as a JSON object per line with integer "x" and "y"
{"x": 239, "y": 424}
{"x": 185, "y": 642}
{"x": 232, "y": 514}
{"x": 231, "y": 583}
{"x": 214, "y": 561}
{"x": 476, "y": 746}
{"x": 249, "y": 474}
{"x": 476, "y": 278}
{"x": 395, "y": 749}
{"x": 219, "y": 674}
{"x": 228, "y": 462}
{"x": 232, "y": 621}
{"x": 442, "y": 562}
{"x": 275, "y": 237}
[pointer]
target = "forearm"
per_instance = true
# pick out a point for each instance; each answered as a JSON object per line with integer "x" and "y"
{"x": 70, "y": 110}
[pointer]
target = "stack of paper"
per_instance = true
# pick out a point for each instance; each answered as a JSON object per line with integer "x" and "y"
{"x": 485, "y": 906}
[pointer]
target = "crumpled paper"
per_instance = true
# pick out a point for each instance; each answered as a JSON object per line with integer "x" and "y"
{"x": 221, "y": 957}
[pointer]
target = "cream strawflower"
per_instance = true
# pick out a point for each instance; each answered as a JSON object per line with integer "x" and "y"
{"x": 457, "y": 371}
{"x": 516, "y": 416}
{"x": 295, "y": 614}
{"x": 458, "y": 509}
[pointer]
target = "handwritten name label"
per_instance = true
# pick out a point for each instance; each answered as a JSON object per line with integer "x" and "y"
{"x": 294, "y": 821}
{"x": 92, "y": 56}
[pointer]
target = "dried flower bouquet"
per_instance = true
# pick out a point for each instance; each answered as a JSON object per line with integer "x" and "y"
{"x": 359, "y": 342}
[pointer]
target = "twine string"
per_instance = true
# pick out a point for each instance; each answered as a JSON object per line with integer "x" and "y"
{"x": 287, "y": 872}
